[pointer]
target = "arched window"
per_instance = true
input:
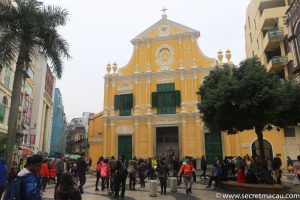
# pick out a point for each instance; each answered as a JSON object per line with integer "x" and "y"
{"x": 7, "y": 76}
{"x": 267, "y": 149}
{"x": 3, "y": 108}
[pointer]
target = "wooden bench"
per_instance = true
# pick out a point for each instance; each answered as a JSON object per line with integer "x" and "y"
{"x": 253, "y": 188}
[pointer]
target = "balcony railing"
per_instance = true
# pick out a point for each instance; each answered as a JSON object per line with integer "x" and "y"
{"x": 273, "y": 38}
{"x": 279, "y": 60}
{"x": 276, "y": 34}
{"x": 276, "y": 63}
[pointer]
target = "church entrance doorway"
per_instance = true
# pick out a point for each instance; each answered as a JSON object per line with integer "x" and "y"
{"x": 167, "y": 141}
{"x": 125, "y": 146}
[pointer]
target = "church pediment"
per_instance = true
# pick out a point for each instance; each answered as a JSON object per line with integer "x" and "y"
{"x": 166, "y": 46}
{"x": 165, "y": 28}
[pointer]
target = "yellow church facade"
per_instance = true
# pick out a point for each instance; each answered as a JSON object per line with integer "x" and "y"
{"x": 150, "y": 105}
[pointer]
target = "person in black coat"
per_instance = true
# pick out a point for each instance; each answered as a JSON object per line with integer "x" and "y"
{"x": 120, "y": 176}
{"x": 203, "y": 167}
{"x": 175, "y": 166}
{"x": 82, "y": 167}
{"x": 194, "y": 162}
{"x": 276, "y": 167}
{"x": 163, "y": 173}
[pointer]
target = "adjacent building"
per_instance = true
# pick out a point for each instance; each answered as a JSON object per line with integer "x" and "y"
{"x": 43, "y": 105}
{"x": 26, "y": 134}
{"x": 77, "y": 134}
{"x": 293, "y": 23}
{"x": 267, "y": 36}
{"x": 7, "y": 74}
{"x": 95, "y": 140}
{"x": 150, "y": 105}
{"x": 35, "y": 113}
{"x": 59, "y": 125}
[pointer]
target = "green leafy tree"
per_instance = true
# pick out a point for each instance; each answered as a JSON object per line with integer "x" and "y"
{"x": 27, "y": 27}
{"x": 246, "y": 98}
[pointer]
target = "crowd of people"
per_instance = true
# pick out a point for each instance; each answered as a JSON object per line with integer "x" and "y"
{"x": 27, "y": 180}
{"x": 31, "y": 177}
{"x": 113, "y": 173}
{"x": 251, "y": 170}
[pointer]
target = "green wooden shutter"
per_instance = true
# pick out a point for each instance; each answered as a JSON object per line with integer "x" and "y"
{"x": 154, "y": 99}
{"x": 117, "y": 102}
{"x": 130, "y": 101}
{"x": 177, "y": 97}
{"x": 2, "y": 112}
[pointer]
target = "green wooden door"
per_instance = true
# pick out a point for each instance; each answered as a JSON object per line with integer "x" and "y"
{"x": 125, "y": 146}
{"x": 213, "y": 146}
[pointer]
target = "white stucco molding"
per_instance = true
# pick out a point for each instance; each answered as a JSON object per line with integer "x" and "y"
{"x": 166, "y": 38}
{"x": 125, "y": 88}
{"x": 124, "y": 129}
{"x": 174, "y": 73}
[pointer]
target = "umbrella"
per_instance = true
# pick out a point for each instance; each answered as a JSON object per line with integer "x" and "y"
{"x": 73, "y": 156}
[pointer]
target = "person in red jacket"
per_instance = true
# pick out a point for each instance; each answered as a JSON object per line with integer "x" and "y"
{"x": 241, "y": 175}
{"x": 187, "y": 168}
{"x": 44, "y": 173}
{"x": 105, "y": 174}
{"x": 52, "y": 171}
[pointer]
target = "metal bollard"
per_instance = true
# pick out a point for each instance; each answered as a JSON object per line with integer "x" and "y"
{"x": 153, "y": 188}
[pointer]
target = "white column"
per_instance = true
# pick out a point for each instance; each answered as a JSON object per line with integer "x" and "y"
{"x": 180, "y": 53}
{"x": 136, "y": 137}
{"x": 149, "y": 57}
{"x": 137, "y": 96}
{"x": 105, "y": 105}
{"x": 149, "y": 95}
{"x": 183, "y": 93}
{"x": 137, "y": 58}
{"x": 194, "y": 39}
{"x": 112, "y": 92}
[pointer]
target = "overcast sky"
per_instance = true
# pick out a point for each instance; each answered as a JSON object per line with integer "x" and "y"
{"x": 100, "y": 31}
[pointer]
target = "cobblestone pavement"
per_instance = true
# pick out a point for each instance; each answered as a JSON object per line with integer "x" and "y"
{"x": 199, "y": 192}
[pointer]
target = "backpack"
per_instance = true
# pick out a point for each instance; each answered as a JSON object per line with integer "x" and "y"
{"x": 13, "y": 192}
{"x": 104, "y": 170}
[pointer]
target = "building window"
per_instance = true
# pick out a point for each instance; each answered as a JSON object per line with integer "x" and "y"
{"x": 124, "y": 104}
{"x": 251, "y": 38}
{"x": 257, "y": 44}
{"x": 7, "y": 76}
{"x": 249, "y": 22}
{"x": 289, "y": 132}
{"x": 2, "y": 109}
{"x": 166, "y": 99}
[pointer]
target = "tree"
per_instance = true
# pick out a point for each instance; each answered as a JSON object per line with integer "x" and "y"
{"x": 246, "y": 98}
{"x": 28, "y": 27}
